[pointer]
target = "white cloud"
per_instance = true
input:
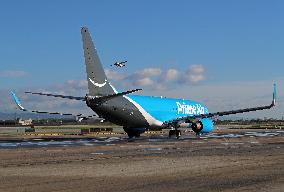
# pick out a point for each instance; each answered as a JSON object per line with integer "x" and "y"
{"x": 113, "y": 75}
{"x": 150, "y": 72}
{"x": 77, "y": 84}
{"x": 171, "y": 75}
{"x": 156, "y": 78}
{"x": 146, "y": 78}
{"x": 13, "y": 74}
{"x": 143, "y": 82}
{"x": 195, "y": 73}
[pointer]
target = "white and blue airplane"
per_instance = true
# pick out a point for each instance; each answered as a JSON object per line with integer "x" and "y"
{"x": 136, "y": 113}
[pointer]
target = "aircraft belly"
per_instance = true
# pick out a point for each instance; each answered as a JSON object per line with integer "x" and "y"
{"x": 122, "y": 112}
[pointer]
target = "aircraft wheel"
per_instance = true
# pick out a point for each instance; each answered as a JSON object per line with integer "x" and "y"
{"x": 178, "y": 134}
{"x": 171, "y": 133}
{"x": 137, "y": 135}
{"x": 131, "y": 135}
{"x": 174, "y": 133}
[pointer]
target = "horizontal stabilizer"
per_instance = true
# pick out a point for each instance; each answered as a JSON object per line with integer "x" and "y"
{"x": 102, "y": 99}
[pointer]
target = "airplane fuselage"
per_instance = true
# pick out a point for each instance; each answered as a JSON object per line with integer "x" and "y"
{"x": 135, "y": 111}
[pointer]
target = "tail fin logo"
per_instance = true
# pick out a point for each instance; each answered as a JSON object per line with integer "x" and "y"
{"x": 98, "y": 84}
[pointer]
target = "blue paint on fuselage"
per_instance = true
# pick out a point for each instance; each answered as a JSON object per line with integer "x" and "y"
{"x": 165, "y": 109}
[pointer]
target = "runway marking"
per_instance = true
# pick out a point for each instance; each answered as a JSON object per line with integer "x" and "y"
{"x": 154, "y": 149}
{"x": 231, "y": 143}
{"x": 97, "y": 153}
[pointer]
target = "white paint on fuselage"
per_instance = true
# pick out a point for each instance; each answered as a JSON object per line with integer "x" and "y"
{"x": 149, "y": 118}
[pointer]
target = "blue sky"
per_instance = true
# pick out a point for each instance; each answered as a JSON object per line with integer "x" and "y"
{"x": 235, "y": 42}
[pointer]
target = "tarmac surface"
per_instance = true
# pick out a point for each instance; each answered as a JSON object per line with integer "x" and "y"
{"x": 239, "y": 160}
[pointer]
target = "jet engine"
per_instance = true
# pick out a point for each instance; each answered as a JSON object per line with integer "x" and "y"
{"x": 203, "y": 126}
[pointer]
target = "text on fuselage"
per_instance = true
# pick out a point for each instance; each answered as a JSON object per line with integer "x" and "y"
{"x": 195, "y": 109}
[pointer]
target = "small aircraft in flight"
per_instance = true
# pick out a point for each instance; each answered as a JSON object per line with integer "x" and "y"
{"x": 137, "y": 112}
{"x": 119, "y": 64}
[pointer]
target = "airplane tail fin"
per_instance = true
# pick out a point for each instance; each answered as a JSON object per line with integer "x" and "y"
{"x": 98, "y": 84}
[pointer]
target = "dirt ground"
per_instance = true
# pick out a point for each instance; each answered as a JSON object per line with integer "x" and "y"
{"x": 248, "y": 163}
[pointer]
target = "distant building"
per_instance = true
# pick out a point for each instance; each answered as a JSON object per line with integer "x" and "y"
{"x": 25, "y": 122}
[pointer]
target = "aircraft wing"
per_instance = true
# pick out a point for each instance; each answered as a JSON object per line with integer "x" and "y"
{"x": 54, "y": 95}
{"x": 20, "y": 106}
{"x": 223, "y": 113}
{"x": 96, "y": 99}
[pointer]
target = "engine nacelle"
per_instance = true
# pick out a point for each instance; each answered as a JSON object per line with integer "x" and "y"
{"x": 203, "y": 126}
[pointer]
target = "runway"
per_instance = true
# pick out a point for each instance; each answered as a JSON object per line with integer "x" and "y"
{"x": 225, "y": 161}
{"x": 94, "y": 141}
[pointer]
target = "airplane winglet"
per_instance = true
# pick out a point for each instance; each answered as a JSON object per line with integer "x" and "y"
{"x": 17, "y": 101}
{"x": 274, "y": 94}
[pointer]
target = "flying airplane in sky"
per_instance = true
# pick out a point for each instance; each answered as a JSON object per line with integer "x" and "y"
{"x": 135, "y": 112}
{"x": 119, "y": 64}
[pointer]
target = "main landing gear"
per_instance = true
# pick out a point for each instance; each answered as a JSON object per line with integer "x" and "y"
{"x": 174, "y": 131}
{"x": 133, "y": 132}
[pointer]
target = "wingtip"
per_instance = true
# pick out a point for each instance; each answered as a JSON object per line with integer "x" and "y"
{"x": 274, "y": 94}
{"x": 15, "y": 98}
{"x": 14, "y": 95}
{"x": 17, "y": 101}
